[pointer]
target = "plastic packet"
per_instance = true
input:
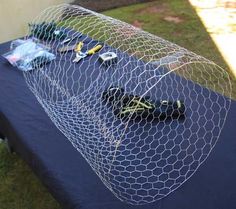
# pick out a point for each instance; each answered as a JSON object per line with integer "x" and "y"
{"x": 27, "y": 55}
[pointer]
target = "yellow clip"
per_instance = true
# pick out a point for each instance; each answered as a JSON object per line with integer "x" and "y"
{"x": 79, "y": 47}
{"x": 94, "y": 50}
{"x": 147, "y": 105}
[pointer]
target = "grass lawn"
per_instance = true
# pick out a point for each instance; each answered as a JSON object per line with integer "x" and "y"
{"x": 19, "y": 187}
{"x": 174, "y": 20}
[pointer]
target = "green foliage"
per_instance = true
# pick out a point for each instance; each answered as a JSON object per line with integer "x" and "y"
{"x": 46, "y": 31}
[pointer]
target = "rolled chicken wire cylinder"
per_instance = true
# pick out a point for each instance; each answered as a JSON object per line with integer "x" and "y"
{"x": 140, "y": 157}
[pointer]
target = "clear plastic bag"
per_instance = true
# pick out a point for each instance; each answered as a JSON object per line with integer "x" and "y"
{"x": 27, "y": 55}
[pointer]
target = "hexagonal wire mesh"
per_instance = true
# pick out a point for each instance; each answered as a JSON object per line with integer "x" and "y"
{"x": 145, "y": 123}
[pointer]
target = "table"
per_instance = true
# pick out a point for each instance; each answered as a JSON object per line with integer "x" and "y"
{"x": 70, "y": 179}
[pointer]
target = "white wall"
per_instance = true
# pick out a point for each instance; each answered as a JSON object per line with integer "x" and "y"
{"x": 16, "y": 14}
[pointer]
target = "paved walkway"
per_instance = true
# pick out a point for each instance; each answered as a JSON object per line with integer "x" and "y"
{"x": 219, "y": 18}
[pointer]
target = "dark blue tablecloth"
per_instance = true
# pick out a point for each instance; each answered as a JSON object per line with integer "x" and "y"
{"x": 71, "y": 180}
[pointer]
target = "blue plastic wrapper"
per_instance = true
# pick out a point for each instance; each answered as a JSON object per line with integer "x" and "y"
{"x": 27, "y": 55}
